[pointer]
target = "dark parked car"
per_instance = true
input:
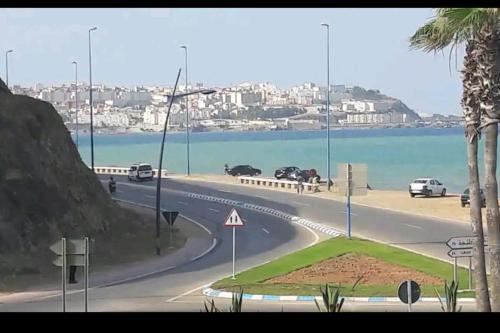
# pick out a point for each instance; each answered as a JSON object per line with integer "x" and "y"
{"x": 284, "y": 172}
{"x": 465, "y": 199}
{"x": 306, "y": 175}
{"x": 244, "y": 170}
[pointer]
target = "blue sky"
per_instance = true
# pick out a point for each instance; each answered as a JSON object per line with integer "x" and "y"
{"x": 369, "y": 48}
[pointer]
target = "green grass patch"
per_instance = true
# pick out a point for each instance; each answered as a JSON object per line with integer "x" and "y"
{"x": 251, "y": 280}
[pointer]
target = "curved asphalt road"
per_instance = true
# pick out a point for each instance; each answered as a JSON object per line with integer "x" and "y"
{"x": 264, "y": 238}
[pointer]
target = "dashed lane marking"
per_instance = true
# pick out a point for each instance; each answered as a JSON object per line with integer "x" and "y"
{"x": 413, "y": 226}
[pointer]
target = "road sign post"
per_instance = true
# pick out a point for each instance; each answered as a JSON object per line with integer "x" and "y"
{"x": 170, "y": 217}
{"x": 353, "y": 183}
{"x": 461, "y": 246}
{"x": 72, "y": 252}
{"x": 63, "y": 252}
{"x": 348, "y": 194}
{"x": 234, "y": 220}
{"x": 455, "y": 269}
{"x": 86, "y": 274}
{"x": 234, "y": 249}
{"x": 409, "y": 292}
{"x": 470, "y": 273}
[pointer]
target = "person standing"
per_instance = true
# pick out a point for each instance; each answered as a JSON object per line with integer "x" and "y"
{"x": 300, "y": 186}
{"x": 72, "y": 273}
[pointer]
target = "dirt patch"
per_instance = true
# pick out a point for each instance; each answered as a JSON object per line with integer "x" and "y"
{"x": 348, "y": 268}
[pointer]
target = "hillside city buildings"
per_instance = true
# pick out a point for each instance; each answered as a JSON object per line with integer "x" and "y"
{"x": 242, "y": 107}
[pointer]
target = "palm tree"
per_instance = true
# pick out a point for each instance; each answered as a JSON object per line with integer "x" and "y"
{"x": 479, "y": 30}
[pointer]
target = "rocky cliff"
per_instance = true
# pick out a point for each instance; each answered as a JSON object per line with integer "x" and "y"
{"x": 46, "y": 190}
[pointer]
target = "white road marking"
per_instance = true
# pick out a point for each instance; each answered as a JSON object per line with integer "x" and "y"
{"x": 150, "y": 196}
{"x": 214, "y": 210}
{"x": 301, "y": 203}
{"x": 118, "y": 191}
{"x": 263, "y": 197}
{"x": 214, "y": 243}
{"x": 197, "y": 223}
{"x": 316, "y": 237}
{"x": 187, "y": 293}
{"x": 182, "y": 203}
{"x": 264, "y": 229}
{"x": 134, "y": 277}
{"x": 413, "y": 226}
{"x": 225, "y": 191}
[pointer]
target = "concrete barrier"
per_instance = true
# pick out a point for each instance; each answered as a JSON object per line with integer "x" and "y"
{"x": 107, "y": 170}
{"x": 276, "y": 183}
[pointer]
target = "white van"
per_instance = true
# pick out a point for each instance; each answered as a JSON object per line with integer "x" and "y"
{"x": 140, "y": 171}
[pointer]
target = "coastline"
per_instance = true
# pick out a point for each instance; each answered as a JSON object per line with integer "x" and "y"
{"x": 125, "y": 131}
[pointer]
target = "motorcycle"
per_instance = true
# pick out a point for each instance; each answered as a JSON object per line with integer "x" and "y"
{"x": 112, "y": 187}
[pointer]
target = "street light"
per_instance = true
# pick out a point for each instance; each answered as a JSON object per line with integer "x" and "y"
{"x": 202, "y": 91}
{"x": 187, "y": 108}
{"x": 158, "y": 183}
{"x": 7, "y": 67}
{"x": 90, "y": 100}
{"x": 327, "y": 102}
{"x": 76, "y": 100}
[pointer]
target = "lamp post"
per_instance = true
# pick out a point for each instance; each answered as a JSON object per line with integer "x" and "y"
{"x": 7, "y": 67}
{"x": 76, "y": 100}
{"x": 158, "y": 183}
{"x": 90, "y": 101}
{"x": 187, "y": 108}
{"x": 327, "y": 103}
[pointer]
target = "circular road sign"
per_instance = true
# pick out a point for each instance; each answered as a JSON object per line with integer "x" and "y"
{"x": 403, "y": 291}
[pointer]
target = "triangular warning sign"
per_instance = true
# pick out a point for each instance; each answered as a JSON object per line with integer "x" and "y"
{"x": 234, "y": 219}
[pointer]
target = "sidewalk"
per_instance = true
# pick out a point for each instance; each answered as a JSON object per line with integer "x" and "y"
{"x": 400, "y": 201}
{"x": 198, "y": 243}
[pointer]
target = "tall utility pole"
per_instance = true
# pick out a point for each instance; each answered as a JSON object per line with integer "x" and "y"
{"x": 7, "y": 67}
{"x": 90, "y": 101}
{"x": 327, "y": 103}
{"x": 187, "y": 108}
{"x": 158, "y": 183}
{"x": 76, "y": 100}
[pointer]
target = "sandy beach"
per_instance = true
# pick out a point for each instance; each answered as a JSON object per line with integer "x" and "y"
{"x": 439, "y": 207}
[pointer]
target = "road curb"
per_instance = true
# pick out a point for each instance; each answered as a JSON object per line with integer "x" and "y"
{"x": 373, "y": 299}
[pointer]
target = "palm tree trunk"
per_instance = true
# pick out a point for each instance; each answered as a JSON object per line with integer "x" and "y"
{"x": 481, "y": 282}
{"x": 471, "y": 106}
{"x": 488, "y": 74}
{"x": 492, "y": 211}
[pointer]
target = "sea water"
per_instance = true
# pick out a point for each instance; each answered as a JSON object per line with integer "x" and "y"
{"x": 394, "y": 157}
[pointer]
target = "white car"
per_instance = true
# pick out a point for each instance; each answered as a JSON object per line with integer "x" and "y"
{"x": 140, "y": 171}
{"x": 427, "y": 187}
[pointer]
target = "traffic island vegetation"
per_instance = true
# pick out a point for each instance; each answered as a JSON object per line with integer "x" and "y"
{"x": 356, "y": 267}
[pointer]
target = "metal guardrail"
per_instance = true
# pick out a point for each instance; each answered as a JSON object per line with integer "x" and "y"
{"x": 276, "y": 183}
{"x": 108, "y": 170}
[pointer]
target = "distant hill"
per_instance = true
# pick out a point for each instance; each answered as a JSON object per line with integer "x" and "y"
{"x": 359, "y": 93}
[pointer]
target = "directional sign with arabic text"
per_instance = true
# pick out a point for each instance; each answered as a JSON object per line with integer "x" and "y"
{"x": 71, "y": 260}
{"x": 461, "y": 242}
{"x": 73, "y": 246}
{"x": 460, "y": 253}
